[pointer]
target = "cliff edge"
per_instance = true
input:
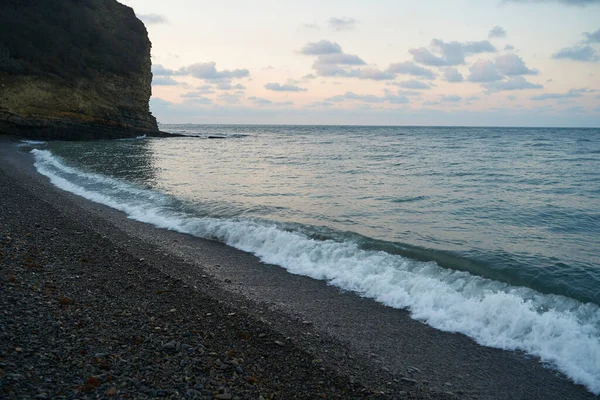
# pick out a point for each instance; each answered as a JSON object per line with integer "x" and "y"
{"x": 74, "y": 70}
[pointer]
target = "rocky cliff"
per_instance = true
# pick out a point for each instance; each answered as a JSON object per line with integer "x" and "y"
{"x": 74, "y": 69}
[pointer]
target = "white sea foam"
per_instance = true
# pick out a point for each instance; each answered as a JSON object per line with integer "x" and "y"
{"x": 31, "y": 143}
{"x": 136, "y": 138}
{"x": 561, "y": 331}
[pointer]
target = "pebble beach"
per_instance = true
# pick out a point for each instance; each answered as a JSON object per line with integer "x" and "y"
{"x": 94, "y": 305}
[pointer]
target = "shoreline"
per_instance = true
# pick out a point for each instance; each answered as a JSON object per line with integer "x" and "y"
{"x": 62, "y": 133}
{"x": 366, "y": 346}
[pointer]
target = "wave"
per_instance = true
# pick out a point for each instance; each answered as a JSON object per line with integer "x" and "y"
{"x": 559, "y": 330}
{"x": 31, "y": 143}
{"x": 142, "y": 137}
{"x": 409, "y": 199}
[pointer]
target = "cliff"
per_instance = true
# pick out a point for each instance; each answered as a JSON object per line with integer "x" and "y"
{"x": 74, "y": 69}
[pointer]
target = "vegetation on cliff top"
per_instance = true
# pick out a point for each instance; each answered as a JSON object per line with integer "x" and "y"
{"x": 71, "y": 38}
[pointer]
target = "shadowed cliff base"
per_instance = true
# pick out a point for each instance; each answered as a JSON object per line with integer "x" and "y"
{"x": 74, "y": 70}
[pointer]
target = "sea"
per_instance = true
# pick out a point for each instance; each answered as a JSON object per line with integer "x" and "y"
{"x": 490, "y": 232}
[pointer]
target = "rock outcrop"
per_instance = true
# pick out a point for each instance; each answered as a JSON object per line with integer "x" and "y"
{"x": 74, "y": 70}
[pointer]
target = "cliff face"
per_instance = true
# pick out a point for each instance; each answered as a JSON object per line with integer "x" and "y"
{"x": 74, "y": 69}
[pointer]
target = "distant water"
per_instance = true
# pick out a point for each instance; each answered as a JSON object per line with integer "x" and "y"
{"x": 492, "y": 232}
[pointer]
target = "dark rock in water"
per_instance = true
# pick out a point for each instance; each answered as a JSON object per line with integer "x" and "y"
{"x": 74, "y": 69}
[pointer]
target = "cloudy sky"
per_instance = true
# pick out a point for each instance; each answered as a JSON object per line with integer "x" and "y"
{"x": 381, "y": 62}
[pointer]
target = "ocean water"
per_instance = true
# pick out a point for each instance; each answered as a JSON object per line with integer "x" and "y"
{"x": 491, "y": 232}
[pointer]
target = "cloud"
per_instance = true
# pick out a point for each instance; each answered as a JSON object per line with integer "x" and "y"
{"x": 581, "y": 52}
{"x": 266, "y": 102}
{"x": 414, "y": 84}
{"x": 575, "y": 109}
{"x": 320, "y": 104}
{"x": 339, "y": 59}
{"x": 342, "y": 24}
{"x": 473, "y": 98}
{"x": 506, "y": 65}
{"x": 230, "y": 98}
{"x": 410, "y": 68}
{"x": 331, "y": 61}
{"x": 580, "y": 3}
{"x": 450, "y": 98}
{"x": 193, "y": 94}
{"x": 164, "y": 81}
{"x": 332, "y": 70}
{"x": 484, "y": 71}
{"x": 157, "y": 101}
{"x": 405, "y": 93}
{"x": 497, "y": 32}
{"x": 321, "y": 47}
{"x": 160, "y": 70}
{"x": 198, "y": 100}
{"x": 431, "y": 103}
{"x": 593, "y": 37}
{"x": 276, "y": 87}
{"x": 208, "y": 71}
{"x": 400, "y": 92}
{"x": 509, "y": 47}
{"x": 309, "y": 76}
{"x": 369, "y": 98}
{"x": 512, "y": 64}
{"x": 151, "y": 19}
{"x": 573, "y": 93}
{"x": 229, "y": 86}
{"x": 397, "y": 99}
{"x": 515, "y": 83}
{"x": 329, "y": 64}
{"x": 259, "y": 100}
{"x": 204, "y": 89}
{"x": 373, "y": 74}
{"x": 577, "y": 53}
{"x": 452, "y": 75}
{"x": 449, "y": 53}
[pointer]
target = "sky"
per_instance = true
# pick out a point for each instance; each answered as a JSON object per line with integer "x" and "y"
{"x": 378, "y": 62}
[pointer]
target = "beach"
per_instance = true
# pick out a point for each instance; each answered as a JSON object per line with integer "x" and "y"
{"x": 96, "y": 304}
